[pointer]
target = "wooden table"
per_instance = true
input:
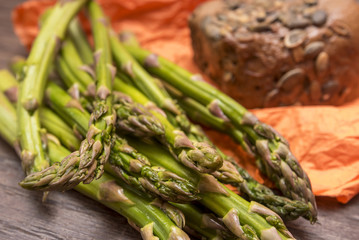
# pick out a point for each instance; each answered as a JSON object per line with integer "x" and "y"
{"x": 72, "y": 216}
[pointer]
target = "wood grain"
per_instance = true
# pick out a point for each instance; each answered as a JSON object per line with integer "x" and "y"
{"x": 72, "y": 216}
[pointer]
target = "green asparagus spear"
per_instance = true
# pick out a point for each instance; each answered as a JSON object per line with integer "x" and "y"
{"x": 71, "y": 61}
{"x": 272, "y": 151}
{"x": 102, "y": 120}
{"x": 34, "y": 78}
{"x": 78, "y": 37}
{"x": 111, "y": 192}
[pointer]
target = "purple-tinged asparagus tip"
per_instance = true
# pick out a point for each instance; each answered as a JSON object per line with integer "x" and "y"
{"x": 110, "y": 191}
{"x": 27, "y": 158}
{"x": 216, "y": 110}
{"x": 74, "y": 91}
{"x": 151, "y": 61}
{"x": 31, "y": 104}
{"x": 249, "y": 119}
{"x": 270, "y": 234}
{"x": 74, "y": 103}
{"x": 209, "y": 184}
{"x": 89, "y": 70}
{"x": 209, "y": 221}
{"x": 127, "y": 68}
{"x": 181, "y": 140}
{"x": 91, "y": 89}
{"x": 103, "y": 92}
{"x": 231, "y": 220}
{"x": 12, "y": 94}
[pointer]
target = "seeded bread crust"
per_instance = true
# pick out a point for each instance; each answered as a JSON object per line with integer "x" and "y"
{"x": 280, "y": 52}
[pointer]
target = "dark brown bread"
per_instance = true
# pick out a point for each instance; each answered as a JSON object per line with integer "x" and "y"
{"x": 280, "y": 52}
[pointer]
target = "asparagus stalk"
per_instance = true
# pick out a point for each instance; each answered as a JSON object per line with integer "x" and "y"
{"x": 109, "y": 191}
{"x": 70, "y": 65}
{"x": 8, "y": 121}
{"x": 272, "y": 151}
{"x": 102, "y": 120}
{"x": 78, "y": 37}
{"x": 34, "y": 79}
{"x": 175, "y": 115}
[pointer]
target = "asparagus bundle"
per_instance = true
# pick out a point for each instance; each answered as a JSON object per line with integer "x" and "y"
{"x": 271, "y": 150}
{"x": 185, "y": 170}
{"x": 141, "y": 212}
{"x": 210, "y": 200}
{"x": 251, "y": 189}
{"x": 113, "y": 193}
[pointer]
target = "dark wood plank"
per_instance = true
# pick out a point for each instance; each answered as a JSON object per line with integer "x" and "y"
{"x": 72, "y": 216}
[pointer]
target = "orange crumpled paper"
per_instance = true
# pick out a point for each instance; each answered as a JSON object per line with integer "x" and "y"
{"x": 325, "y": 139}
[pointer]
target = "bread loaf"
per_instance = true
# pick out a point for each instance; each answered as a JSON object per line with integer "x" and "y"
{"x": 281, "y": 52}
